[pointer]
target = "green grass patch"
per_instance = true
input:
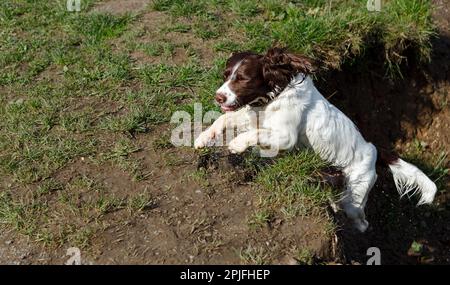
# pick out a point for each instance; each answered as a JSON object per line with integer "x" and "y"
{"x": 80, "y": 212}
{"x": 330, "y": 31}
{"x": 98, "y": 27}
{"x": 291, "y": 187}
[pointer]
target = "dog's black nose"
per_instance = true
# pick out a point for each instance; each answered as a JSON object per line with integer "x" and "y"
{"x": 221, "y": 98}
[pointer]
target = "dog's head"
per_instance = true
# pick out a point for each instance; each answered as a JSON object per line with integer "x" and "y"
{"x": 249, "y": 77}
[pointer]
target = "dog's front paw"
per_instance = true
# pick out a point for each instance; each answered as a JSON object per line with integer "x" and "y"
{"x": 205, "y": 139}
{"x": 238, "y": 145}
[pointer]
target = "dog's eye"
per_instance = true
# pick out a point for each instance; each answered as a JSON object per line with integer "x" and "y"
{"x": 239, "y": 77}
{"x": 226, "y": 74}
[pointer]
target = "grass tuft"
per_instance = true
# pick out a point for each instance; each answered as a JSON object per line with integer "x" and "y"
{"x": 98, "y": 27}
{"x": 291, "y": 186}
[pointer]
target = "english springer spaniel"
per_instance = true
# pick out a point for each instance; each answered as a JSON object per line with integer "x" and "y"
{"x": 293, "y": 114}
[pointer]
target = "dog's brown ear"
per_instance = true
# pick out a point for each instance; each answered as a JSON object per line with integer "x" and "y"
{"x": 302, "y": 63}
{"x": 280, "y": 66}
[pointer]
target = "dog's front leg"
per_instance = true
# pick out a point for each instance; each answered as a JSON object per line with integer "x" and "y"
{"x": 273, "y": 140}
{"x": 240, "y": 119}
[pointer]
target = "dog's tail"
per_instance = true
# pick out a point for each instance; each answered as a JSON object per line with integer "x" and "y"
{"x": 408, "y": 179}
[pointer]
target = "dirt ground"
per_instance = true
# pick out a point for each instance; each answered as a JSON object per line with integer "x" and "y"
{"x": 187, "y": 221}
{"x": 198, "y": 220}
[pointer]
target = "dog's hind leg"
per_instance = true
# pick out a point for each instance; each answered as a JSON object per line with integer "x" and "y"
{"x": 360, "y": 178}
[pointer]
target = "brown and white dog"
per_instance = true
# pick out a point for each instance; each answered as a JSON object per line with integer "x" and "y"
{"x": 294, "y": 113}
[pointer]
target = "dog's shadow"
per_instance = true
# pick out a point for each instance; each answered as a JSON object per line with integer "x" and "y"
{"x": 386, "y": 111}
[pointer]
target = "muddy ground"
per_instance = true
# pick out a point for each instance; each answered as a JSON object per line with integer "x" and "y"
{"x": 193, "y": 220}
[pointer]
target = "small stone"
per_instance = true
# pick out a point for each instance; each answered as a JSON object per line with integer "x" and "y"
{"x": 16, "y": 102}
{"x": 289, "y": 260}
{"x": 8, "y": 242}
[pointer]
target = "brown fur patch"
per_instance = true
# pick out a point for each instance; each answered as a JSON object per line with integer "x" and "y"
{"x": 258, "y": 75}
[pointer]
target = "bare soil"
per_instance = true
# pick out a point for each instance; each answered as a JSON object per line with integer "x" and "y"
{"x": 119, "y": 7}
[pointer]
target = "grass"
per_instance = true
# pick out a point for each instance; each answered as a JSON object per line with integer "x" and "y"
{"x": 121, "y": 155}
{"x": 71, "y": 89}
{"x": 82, "y": 206}
{"x": 141, "y": 202}
{"x": 330, "y": 31}
{"x": 98, "y": 27}
{"x": 291, "y": 187}
{"x": 305, "y": 257}
{"x": 253, "y": 255}
{"x": 200, "y": 177}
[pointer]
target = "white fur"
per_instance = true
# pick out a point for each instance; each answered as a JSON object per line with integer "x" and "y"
{"x": 410, "y": 180}
{"x": 226, "y": 90}
{"x": 301, "y": 116}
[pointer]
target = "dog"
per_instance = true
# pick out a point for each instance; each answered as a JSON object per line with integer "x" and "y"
{"x": 293, "y": 113}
